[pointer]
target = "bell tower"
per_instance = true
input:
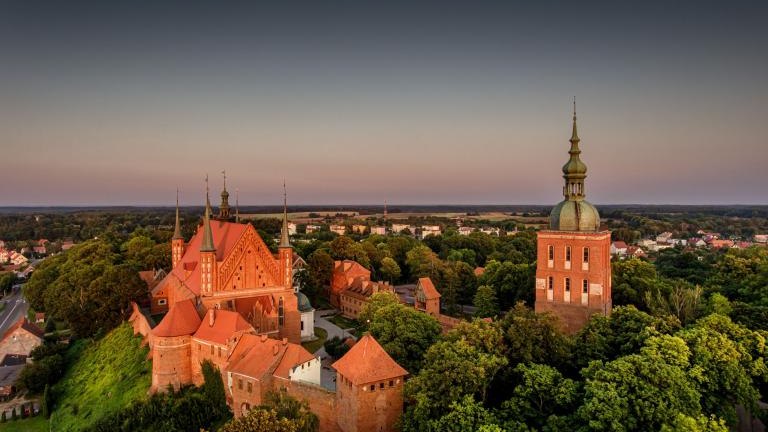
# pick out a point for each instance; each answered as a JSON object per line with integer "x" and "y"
{"x": 573, "y": 274}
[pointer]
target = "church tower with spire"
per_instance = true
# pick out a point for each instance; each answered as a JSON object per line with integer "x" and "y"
{"x": 177, "y": 241}
{"x": 573, "y": 274}
{"x": 207, "y": 251}
{"x": 224, "y": 213}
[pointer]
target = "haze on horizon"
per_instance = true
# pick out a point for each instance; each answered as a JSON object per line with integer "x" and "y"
{"x": 353, "y": 102}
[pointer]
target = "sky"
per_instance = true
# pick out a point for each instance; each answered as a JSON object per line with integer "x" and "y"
{"x": 356, "y": 102}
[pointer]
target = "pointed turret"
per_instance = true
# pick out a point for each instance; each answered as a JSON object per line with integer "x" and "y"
{"x": 285, "y": 250}
{"x": 285, "y": 241}
{"x": 177, "y": 241}
{"x": 207, "y": 244}
{"x": 177, "y": 227}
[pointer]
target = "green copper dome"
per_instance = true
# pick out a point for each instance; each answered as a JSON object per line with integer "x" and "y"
{"x": 304, "y": 304}
{"x": 574, "y": 213}
{"x": 574, "y": 216}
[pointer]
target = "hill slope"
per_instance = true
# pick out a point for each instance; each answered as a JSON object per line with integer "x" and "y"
{"x": 106, "y": 376}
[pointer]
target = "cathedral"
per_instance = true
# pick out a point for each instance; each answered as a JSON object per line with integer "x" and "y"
{"x": 573, "y": 272}
{"x": 227, "y": 266}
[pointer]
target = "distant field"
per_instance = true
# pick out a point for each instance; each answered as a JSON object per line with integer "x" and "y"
{"x": 107, "y": 375}
{"x": 303, "y": 217}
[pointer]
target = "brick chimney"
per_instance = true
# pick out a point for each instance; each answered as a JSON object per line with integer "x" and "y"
{"x": 211, "y": 316}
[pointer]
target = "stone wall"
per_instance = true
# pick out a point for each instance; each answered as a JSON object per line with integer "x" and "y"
{"x": 171, "y": 362}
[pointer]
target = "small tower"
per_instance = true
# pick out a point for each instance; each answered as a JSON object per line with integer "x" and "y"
{"x": 285, "y": 248}
{"x": 224, "y": 207}
{"x": 573, "y": 275}
{"x": 177, "y": 241}
{"x": 207, "y": 251}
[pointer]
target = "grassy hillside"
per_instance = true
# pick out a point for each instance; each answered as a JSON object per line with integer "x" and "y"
{"x": 34, "y": 424}
{"x": 106, "y": 375}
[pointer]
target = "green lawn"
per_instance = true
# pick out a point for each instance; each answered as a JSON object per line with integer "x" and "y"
{"x": 313, "y": 346}
{"x": 34, "y": 424}
{"x": 344, "y": 323}
{"x": 105, "y": 376}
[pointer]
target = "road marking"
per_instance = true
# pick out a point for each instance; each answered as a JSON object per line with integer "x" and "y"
{"x": 10, "y": 314}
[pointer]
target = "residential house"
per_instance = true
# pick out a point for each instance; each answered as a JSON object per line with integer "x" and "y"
{"x": 339, "y": 229}
{"x": 430, "y": 230}
{"x": 465, "y": 230}
{"x": 379, "y": 230}
{"x": 619, "y": 248}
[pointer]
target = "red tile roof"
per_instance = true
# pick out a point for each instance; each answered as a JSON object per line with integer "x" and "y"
{"x": 294, "y": 356}
{"x": 619, "y": 244}
{"x": 367, "y": 362}
{"x": 225, "y": 236}
{"x": 22, "y": 323}
{"x": 430, "y": 292}
{"x": 225, "y": 325}
{"x": 479, "y": 271}
{"x": 257, "y": 355}
{"x": 182, "y": 319}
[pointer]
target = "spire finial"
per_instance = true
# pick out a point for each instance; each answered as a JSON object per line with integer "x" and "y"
{"x": 237, "y": 205}
{"x": 224, "y": 173}
{"x": 207, "y": 245}
{"x": 177, "y": 227}
{"x": 574, "y": 135}
{"x": 284, "y": 238}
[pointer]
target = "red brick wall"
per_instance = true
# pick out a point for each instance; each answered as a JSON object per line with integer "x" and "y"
{"x": 572, "y": 312}
{"x": 241, "y": 396}
{"x": 171, "y": 362}
{"x": 201, "y": 351}
{"x": 360, "y": 409}
{"x": 322, "y": 402}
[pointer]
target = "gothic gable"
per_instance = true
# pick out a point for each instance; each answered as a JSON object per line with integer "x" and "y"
{"x": 248, "y": 264}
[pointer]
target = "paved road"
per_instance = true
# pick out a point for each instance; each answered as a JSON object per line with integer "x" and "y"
{"x": 15, "y": 306}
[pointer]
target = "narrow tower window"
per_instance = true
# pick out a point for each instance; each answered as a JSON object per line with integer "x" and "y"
{"x": 551, "y": 285}
{"x": 567, "y": 284}
{"x": 551, "y": 252}
{"x": 584, "y": 286}
{"x": 568, "y": 253}
{"x": 280, "y": 312}
{"x": 586, "y": 255}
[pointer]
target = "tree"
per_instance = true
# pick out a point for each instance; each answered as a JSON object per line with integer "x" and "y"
{"x": 684, "y": 423}
{"x": 485, "y": 302}
{"x": 45, "y": 402}
{"x": 462, "y": 365}
{"x": 376, "y": 302}
{"x": 390, "y": 269}
{"x": 319, "y": 270}
{"x": 260, "y": 420}
{"x": 344, "y": 248}
{"x": 632, "y": 278}
{"x": 422, "y": 262}
{"x": 512, "y": 282}
{"x": 640, "y": 391}
{"x": 465, "y": 414}
{"x": 541, "y": 398}
{"x": 727, "y": 362}
{"x": 287, "y": 407}
{"x": 404, "y": 333}
{"x": 213, "y": 389}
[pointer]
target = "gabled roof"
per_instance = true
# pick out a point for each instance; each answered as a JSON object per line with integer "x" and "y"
{"x": 367, "y": 362}
{"x": 294, "y": 355}
{"x": 225, "y": 237}
{"x": 182, "y": 319}
{"x": 23, "y": 324}
{"x": 257, "y": 355}
{"x": 619, "y": 244}
{"x": 430, "y": 292}
{"x": 225, "y": 324}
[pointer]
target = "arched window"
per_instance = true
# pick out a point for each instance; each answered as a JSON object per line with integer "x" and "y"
{"x": 551, "y": 252}
{"x": 280, "y": 312}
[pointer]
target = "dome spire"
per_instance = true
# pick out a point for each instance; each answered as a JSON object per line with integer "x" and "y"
{"x": 574, "y": 171}
{"x": 207, "y": 245}
{"x": 224, "y": 207}
{"x": 177, "y": 227}
{"x": 284, "y": 238}
{"x": 237, "y": 205}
